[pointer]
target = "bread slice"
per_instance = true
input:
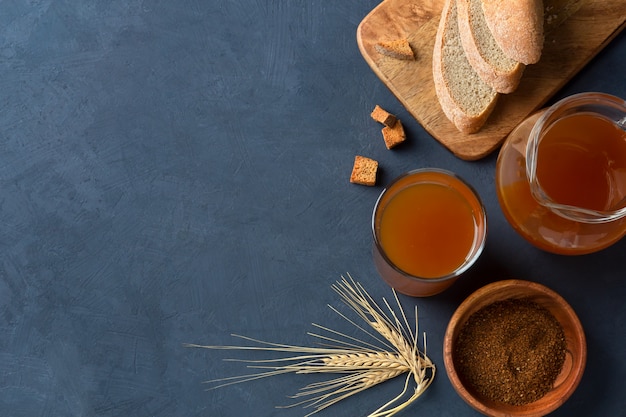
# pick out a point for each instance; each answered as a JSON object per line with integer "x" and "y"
{"x": 517, "y": 26}
{"x": 464, "y": 97}
{"x": 397, "y": 48}
{"x": 502, "y": 73}
{"x": 364, "y": 171}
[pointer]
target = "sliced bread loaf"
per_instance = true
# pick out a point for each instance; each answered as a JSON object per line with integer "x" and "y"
{"x": 502, "y": 73}
{"x": 517, "y": 26}
{"x": 464, "y": 97}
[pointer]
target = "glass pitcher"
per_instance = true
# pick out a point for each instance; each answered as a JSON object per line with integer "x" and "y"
{"x": 561, "y": 175}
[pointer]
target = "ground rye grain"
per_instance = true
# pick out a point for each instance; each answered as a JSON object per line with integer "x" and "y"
{"x": 510, "y": 351}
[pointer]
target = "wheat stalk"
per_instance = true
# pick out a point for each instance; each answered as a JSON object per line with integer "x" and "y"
{"x": 360, "y": 364}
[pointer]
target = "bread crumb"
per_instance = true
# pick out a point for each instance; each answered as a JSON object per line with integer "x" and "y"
{"x": 393, "y": 136}
{"x": 383, "y": 116}
{"x": 364, "y": 171}
{"x": 398, "y": 49}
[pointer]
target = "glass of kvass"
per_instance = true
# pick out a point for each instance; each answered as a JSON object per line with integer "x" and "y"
{"x": 561, "y": 175}
{"x": 429, "y": 226}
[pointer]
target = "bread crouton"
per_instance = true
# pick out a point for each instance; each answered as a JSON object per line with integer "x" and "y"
{"x": 364, "y": 171}
{"x": 393, "y": 136}
{"x": 383, "y": 116}
{"x": 397, "y": 48}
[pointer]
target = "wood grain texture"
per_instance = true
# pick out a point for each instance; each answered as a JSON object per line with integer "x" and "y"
{"x": 576, "y": 30}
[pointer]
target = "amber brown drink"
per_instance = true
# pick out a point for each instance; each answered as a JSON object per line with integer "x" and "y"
{"x": 561, "y": 175}
{"x": 429, "y": 226}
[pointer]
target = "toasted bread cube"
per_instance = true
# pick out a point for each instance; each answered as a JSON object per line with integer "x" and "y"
{"x": 393, "y": 136}
{"x": 397, "y": 48}
{"x": 364, "y": 171}
{"x": 383, "y": 116}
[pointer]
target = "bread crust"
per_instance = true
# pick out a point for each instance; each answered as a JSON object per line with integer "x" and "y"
{"x": 466, "y": 123}
{"x": 517, "y": 26}
{"x": 503, "y": 80}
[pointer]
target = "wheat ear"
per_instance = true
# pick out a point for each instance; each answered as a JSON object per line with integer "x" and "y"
{"x": 360, "y": 364}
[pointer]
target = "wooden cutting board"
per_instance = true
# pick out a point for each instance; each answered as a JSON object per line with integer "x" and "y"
{"x": 576, "y": 30}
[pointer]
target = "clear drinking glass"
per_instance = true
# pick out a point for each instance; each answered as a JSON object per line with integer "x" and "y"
{"x": 429, "y": 226}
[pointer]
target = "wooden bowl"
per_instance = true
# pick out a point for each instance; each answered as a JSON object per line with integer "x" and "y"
{"x": 575, "y": 356}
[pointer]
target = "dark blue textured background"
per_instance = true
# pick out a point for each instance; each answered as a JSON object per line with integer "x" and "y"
{"x": 175, "y": 171}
